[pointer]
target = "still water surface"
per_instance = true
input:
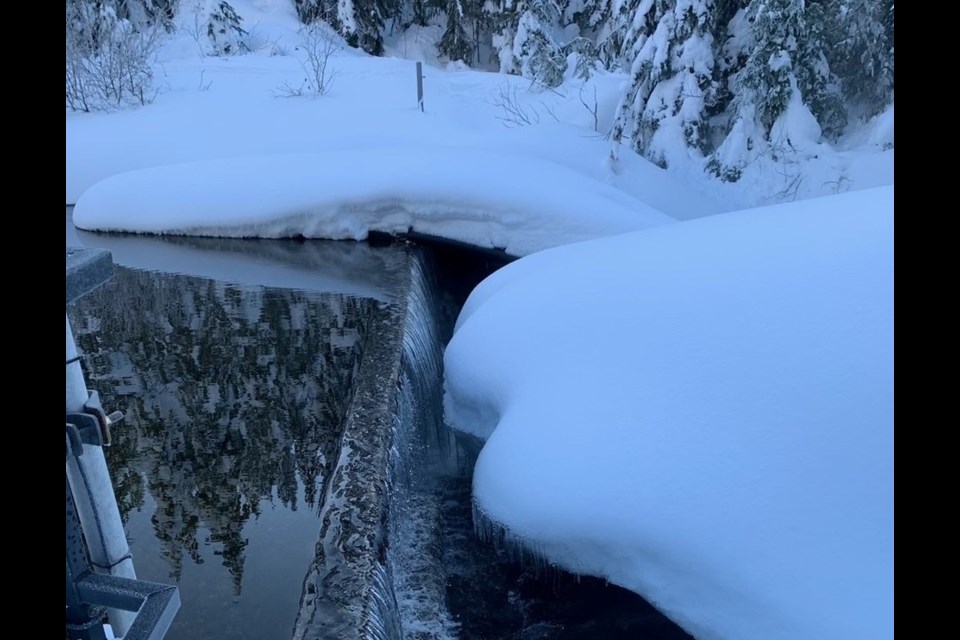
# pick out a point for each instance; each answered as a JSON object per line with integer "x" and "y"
{"x": 234, "y": 395}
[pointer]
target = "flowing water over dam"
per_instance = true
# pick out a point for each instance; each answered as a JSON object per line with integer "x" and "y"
{"x": 284, "y": 458}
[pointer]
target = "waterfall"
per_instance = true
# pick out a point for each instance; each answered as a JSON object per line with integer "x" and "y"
{"x": 377, "y": 572}
{"x": 423, "y": 443}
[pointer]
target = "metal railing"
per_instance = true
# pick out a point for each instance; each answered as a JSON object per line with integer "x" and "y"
{"x": 100, "y": 574}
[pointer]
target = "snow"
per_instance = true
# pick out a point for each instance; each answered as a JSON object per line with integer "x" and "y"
{"x": 346, "y": 15}
{"x": 701, "y": 412}
{"x": 211, "y": 108}
{"x": 881, "y": 131}
{"x": 417, "y": 42}
{"x": 797, "y": 128}
{"x": 475, "y": 196}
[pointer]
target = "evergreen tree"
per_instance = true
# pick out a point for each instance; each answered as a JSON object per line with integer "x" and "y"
{"x": 536, "y": 53}
{"x": 523, "y": 39}
{"x": 861, "y": 51}
{"x": 310, "y": 10}
{"x": 588, "y": 15}
{"x": 479, "y": 23}
{"x": 590, "y": 19}
{"x": 455, "y": 44}
{"x": 784, "y": 66}
{"x": 673, "y": 83}
{"x": 224, "y": 30}
{"x": 421, "y": 11}
{"x": 502, "y": 16}
{"x": 145, "y": 12}
{"x": 360, "y": 22}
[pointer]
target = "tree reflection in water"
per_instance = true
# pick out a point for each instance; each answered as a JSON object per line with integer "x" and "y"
{"x": 232, "y": 395}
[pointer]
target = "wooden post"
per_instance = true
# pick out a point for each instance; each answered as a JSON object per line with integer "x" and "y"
{"x": 420, "y": 85}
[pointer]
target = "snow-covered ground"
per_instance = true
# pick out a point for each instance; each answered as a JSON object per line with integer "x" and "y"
{"x": 213, "y": 108}
{"x": 700, "y": 411}
{"x": 220, "y": 107}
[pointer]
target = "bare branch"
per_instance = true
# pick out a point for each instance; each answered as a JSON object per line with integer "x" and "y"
{"x": 593, "y": 110}
{"x": 513, "y": 113}
{"x": 317, "y": 45}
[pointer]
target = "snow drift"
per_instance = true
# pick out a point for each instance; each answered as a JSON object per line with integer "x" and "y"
{"x": 700, "y": 412}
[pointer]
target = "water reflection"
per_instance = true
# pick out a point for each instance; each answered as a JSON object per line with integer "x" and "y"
{"x": 234, "y": 398}
{"x": 350, "y": 268}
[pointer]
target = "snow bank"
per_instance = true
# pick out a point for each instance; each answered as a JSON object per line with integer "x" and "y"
{"x": 701, "y": 412}
{"x": 481, "y": 197}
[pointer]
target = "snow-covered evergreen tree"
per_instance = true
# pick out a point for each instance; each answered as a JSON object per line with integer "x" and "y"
{"x": 455, "y": 43}
{"x": 419, "y": 12}
{"x": 592, "y": 20}
{"x": 224, "y": 30}
{"x": 536, "y": 52}
{"x": 502, "y": 17}
{"x": 588, "y": 15}
{"x": 360, "y": 22}
{"x": 145, "y": 12}
{"x": 310, "y": 10}
{"x": 672, "y": 77}
{"x": 523, "y": 39}
{"x": 861, "y": 51}
{"x": 785, "y": 79}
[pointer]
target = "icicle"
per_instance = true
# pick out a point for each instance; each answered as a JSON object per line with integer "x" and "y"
{"x": 517, "y": 548}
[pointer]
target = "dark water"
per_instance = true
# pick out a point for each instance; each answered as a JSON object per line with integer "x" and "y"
{"x": 235, "y": 362}
{"x": 234, "y": 398}
{"x": 497, "y": 593}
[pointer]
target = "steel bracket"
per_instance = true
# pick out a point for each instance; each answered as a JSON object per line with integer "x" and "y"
{"x": 93, "y": 425}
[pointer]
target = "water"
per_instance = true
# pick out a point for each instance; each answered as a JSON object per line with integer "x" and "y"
{"x": 284, "y": 457}
{"x": 450, "y": 582}
{"x": 234, "y": 399}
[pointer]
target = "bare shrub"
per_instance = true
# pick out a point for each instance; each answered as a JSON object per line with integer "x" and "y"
{"x": 109, "y": 60}
{"x": 513, "y": 113}
{"x": 317, "y": 45}
{"x": 592, "y": 109}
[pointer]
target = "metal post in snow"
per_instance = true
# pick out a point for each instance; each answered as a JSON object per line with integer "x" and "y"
{"x": 96, "y": 503}
{"x": 420, "y": 86}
